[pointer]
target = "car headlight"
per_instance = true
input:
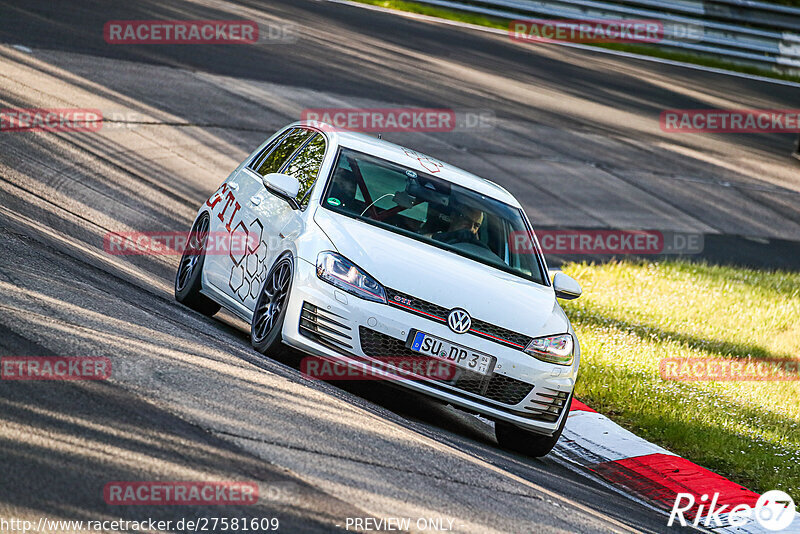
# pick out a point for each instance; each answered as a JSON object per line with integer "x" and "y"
{"x": 552, "y": 349}
{"x": 342, "y": 273}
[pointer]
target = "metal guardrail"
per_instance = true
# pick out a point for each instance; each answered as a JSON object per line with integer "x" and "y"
{"x": 743, "y": 31}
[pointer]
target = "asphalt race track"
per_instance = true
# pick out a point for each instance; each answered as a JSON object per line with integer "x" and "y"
{"x": 575, "y": 136}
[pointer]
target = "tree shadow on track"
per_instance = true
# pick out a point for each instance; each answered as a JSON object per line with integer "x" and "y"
{"x": 63, "y": 442}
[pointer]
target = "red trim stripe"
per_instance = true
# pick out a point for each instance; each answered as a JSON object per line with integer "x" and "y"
{"x": 497, "y": 338}
{"x": 418, "y": 311}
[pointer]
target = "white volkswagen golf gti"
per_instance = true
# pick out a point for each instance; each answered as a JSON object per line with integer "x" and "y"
{"x": 364, "y": 252}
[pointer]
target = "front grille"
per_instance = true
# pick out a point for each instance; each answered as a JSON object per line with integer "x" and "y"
{"x": 495, "y": 387}
{"x": 438, "y": 313}
{"x": 325, "y": 327}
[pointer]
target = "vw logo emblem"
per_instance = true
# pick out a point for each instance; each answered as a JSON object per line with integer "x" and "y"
{"x": 459, "y": 321}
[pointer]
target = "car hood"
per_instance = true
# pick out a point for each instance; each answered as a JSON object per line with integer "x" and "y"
{"x": 444, "y": 278}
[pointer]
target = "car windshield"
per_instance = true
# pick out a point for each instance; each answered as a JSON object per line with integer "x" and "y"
{"x": 433, "y": 211}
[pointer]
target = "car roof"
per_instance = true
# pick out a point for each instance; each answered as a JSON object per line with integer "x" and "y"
{"x": 412, "y": 159}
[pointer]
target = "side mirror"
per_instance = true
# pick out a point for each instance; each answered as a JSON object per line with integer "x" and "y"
{"x": 282, "y": 184}
{"x": 566, "y": 287}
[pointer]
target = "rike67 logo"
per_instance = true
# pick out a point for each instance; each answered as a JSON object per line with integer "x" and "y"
{"x": 774, "y": 511}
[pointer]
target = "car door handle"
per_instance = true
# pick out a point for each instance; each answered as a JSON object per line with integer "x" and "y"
{"x": 233, "y": 185}
{"x": 255, "y": 200}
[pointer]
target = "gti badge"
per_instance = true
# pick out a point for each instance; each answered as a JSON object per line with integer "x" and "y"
{"x": 459, "y": 321}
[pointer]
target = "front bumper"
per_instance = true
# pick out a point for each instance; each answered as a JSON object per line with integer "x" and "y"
{"x": 324, "y": 321}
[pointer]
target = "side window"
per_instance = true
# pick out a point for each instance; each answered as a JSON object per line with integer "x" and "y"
{"x": 282, "y": 152}
{"x": 305, "y": 166}
{"x": 256, "y": 163}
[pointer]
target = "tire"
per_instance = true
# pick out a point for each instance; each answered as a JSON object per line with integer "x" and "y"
{"x": 515, "y": 439}
{"x": 796, "y": 153}
{"x": 189, "y": 277}
{"x": 267, "y": 325}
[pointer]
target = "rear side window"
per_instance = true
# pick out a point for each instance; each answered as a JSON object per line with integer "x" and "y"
{"x": 274, "y": 159}
{"x": 305, "y": 166}
{"x": 266, "y": 151}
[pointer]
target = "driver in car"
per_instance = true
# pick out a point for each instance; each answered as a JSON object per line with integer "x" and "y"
{"x": 464, "y": 226}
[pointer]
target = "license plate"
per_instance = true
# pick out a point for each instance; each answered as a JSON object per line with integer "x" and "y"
{"x": 444, "y": 350}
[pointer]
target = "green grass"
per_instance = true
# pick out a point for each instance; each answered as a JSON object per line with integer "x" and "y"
{"x": 643, "y": 49}
{"x": 632, "y": 315}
